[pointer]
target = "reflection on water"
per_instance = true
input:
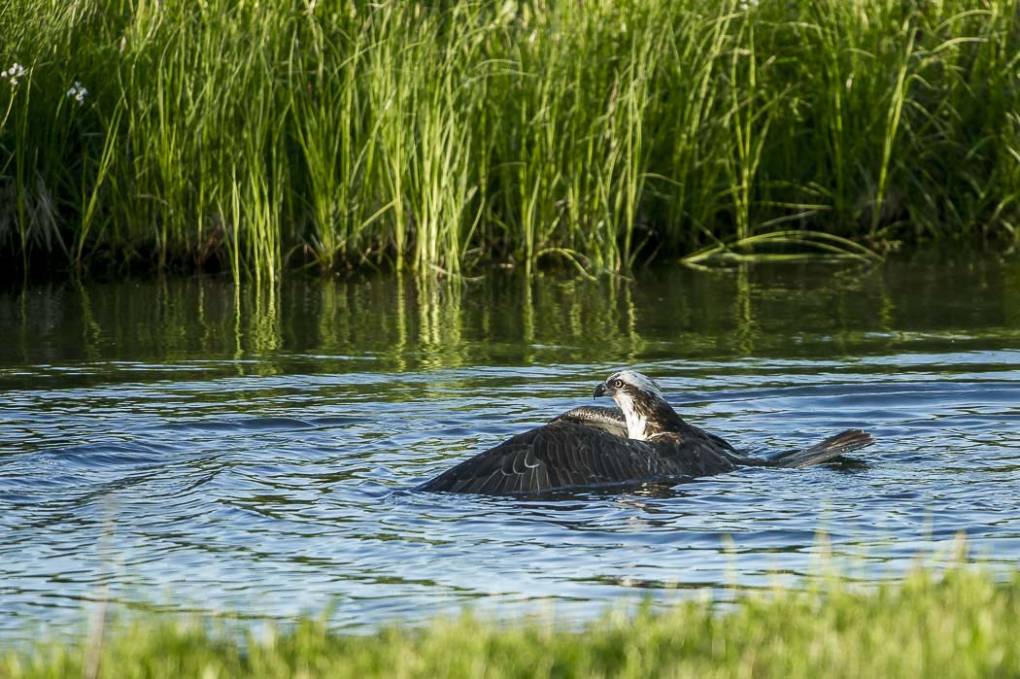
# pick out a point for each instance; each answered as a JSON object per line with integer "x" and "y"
{"x": 188, "y": 444}
{"x": 406, "y": 324}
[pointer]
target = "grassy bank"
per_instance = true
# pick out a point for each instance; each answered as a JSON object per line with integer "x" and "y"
{"x": 966, "y": 625}
{"x": 254, "y": 136}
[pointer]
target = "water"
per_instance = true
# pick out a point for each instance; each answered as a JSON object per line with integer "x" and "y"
{"x": 179, "y": 444}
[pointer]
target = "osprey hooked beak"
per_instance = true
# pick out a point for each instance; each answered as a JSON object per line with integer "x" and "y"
{"x": 604, "y": 389}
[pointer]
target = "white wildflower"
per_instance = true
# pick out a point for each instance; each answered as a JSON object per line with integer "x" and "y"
{"x": 13, "y": 74}
{"x": 78, "y": 92}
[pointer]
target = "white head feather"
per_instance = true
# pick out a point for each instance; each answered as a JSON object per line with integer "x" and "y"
{"x": 636, "y": 379}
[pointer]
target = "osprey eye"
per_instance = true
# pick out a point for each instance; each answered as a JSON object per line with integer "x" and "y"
{"x": 617, "y": 383}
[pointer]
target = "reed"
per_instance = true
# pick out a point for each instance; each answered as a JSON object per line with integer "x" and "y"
{"x": 446, "y": 135}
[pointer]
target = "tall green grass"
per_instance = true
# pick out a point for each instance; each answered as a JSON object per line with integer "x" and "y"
{"x": 966, "y": 625}
{"x": 254, "y": 136}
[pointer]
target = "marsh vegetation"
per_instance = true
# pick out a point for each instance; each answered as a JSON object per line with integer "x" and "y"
{"x": 444, "y": 135}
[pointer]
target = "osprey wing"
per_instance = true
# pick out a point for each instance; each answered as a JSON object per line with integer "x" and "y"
{"x": 722, "y": 444}
{"x": 563, "y": 454}
{"x": 609, "y": 420}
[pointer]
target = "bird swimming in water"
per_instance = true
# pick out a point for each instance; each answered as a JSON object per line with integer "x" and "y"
{"x": 642, "y": 440}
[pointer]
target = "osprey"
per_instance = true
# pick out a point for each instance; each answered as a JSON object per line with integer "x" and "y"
{"x": 642, "y": 440}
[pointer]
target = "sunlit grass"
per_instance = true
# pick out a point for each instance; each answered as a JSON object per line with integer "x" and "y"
{"x": 964, "y": 624}
{"x": 443, "y": 135}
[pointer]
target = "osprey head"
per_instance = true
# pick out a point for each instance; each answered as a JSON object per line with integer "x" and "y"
{"x": 643, "y": 405}
{"x": 628, "y": 381}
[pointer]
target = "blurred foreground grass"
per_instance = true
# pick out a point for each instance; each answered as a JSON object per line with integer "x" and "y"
{"x": 960, "y": 624}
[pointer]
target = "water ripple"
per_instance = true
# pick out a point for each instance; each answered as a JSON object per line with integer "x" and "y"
{"x": 276, "y": 480}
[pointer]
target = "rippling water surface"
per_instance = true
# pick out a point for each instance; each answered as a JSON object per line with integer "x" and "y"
{"x": 185, "y": 445}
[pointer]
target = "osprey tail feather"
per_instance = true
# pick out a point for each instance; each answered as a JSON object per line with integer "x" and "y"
{"x": 832, "y": 447}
